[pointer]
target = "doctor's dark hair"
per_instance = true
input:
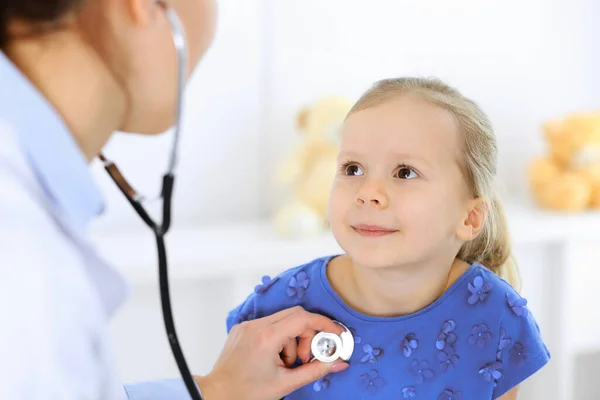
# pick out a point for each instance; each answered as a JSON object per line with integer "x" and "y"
{"x": 42, "y": 15}
{"x": 492, "y": 247}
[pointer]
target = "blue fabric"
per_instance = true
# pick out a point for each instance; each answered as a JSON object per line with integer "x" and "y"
{"x": 477, "y": 341}
{"x": 55, "y": 157}
{"x": 166, "y": 389}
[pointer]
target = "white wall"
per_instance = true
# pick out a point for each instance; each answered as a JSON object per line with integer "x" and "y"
{"x": 523, "y": 61}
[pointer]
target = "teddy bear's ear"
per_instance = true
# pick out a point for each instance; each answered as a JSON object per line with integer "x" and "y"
{"x": 552, "y": 129}
{"x": 302, "y": 118}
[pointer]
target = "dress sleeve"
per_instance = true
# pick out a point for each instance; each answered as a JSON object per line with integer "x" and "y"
{"x": 244, "y": 312}
{"x": 269, "y": 296}
{"x": 521, "y": 349}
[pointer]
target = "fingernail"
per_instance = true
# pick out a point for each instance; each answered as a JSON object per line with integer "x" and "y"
{"x": 339, "y": 367}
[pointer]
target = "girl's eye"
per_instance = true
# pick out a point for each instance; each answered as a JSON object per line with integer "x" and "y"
{"x": 406, "y": 173}
{"x": 353, "y": 170}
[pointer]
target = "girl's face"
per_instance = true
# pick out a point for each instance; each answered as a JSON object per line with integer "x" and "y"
{"x": 399, "y": 196}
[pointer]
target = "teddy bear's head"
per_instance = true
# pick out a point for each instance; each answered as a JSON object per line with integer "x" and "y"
{"x": 321, "y": 121}
{"x": 574, "y": 140}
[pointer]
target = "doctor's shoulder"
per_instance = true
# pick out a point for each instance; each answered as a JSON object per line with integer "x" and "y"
{"x": 22, "y": 211}
{"x": 44, "y": 292}
{"x": 22, "y": 202}
{"x": 26, "y": 221}
{"x": 35, "y": 256}
{"x": 272, "y": 294}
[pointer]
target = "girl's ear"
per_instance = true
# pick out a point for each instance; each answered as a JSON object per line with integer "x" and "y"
{"x": 474, "y": 219}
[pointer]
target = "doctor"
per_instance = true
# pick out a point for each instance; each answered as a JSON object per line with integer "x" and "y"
{"x": 71, "y": 73}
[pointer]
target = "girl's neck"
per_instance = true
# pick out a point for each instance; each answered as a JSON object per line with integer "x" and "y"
{"x": 76, "y": 83}
{"x": 391, "y": 292}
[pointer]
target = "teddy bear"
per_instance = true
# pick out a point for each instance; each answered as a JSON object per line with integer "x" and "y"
{"x": 568, "y": 178}
{"x": 310, "y": 169}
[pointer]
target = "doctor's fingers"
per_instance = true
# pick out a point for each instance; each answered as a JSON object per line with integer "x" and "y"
{"x": 278, "y": 316}
{"x": 296, "y": 321}
{"x": 295, "y": 378}
{"x": 304, "y": 351}
{"x": 289, "y": 354}
{"x": 302, "y": 324}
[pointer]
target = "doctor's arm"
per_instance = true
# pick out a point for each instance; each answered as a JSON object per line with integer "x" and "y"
{"x": 167, "y": 389}
{"x": 254, "y": 362}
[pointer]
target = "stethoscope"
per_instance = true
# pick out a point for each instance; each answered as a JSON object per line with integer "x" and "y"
{"x": 326, "y": 347}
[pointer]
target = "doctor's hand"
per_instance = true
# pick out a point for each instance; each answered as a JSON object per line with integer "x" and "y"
{"x": 254, "y": 364}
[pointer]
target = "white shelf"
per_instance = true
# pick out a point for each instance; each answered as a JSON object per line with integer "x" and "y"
{"x": 208, "y": 252}
{"x": 529, "y": 224}
{"x": 253, "y": 247}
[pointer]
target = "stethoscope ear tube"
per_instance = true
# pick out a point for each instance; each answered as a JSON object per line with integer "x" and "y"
{"x": 160, "y": 229}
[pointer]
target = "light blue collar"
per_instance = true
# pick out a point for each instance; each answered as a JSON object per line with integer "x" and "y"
{"x": 55, "y": 157}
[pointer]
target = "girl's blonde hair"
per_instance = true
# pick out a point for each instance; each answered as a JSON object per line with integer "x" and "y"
{"x": 492, "y": 247}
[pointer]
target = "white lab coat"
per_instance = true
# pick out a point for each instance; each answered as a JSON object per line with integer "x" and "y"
{"x": 54, "y": 339}
{"x": 57, "y": 294}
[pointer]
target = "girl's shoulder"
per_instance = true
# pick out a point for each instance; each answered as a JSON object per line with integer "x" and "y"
{"x": 521, "y": 351}
{"x": 482, "y": 287}
{"x": 479, "y": 290}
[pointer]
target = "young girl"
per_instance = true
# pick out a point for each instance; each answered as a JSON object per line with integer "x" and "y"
{"x": 421, "y": 283}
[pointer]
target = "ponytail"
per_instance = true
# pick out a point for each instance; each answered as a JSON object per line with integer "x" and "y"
{"x": 492, "y": 247}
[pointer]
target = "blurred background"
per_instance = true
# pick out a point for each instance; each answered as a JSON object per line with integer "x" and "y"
{"x": 523, "y": 61}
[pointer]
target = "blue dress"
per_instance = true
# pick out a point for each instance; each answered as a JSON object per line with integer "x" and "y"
{"x": 477, "y": 341}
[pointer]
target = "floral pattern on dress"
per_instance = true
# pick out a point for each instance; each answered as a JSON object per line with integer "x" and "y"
{"x": 479, "y": 290}
{"x": 298, "y": 285}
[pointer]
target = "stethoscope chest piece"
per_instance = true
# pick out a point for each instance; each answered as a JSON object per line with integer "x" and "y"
{"x": 328, "y": 347}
